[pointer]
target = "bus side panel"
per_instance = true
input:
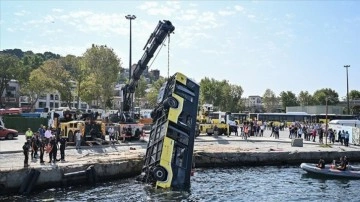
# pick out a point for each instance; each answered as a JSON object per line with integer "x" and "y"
{"x": 165, "y": 162}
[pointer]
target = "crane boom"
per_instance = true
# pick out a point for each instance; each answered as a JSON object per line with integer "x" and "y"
{"x": 156, "y": 38}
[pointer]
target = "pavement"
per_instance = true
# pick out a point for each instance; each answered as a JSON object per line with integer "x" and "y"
{"x": 11, "y": 156}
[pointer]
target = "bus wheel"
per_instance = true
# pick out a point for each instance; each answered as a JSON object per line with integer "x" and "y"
{"x": 171, "y": 102}
{"x": 159, "y": 173}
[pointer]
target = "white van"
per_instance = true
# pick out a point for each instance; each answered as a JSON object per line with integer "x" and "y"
{"x": 352, "y": 123}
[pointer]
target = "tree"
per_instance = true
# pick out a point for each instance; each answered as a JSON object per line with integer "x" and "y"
{"x": 90, "y": 89}
{"x": 305, "y": 98}
{"x": 222, "y": 94}
{"x": 37, "y": 85}
{"x": 320, "y": 96}
{"x": 105, "y": 65}
{"x": 354, "y": 95}
{"x": 141, "y": 87}
{"x": 288, "y": 99}
{"x": 78, "y": 73}
{"x": 60, "y": 79}
{"x": 207, "y": 91}
{"x": 151, "y": 97}
{"x": 9, "y": 68}
{"x": 235, "y": 98}
{"x": 29, "y": 63}
{"x": 270, "y": 101}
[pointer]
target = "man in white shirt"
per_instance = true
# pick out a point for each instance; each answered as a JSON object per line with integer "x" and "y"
{"x": 48, "y": 135}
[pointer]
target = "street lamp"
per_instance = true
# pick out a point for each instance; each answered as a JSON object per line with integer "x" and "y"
{"x": 326, "y": 120}
{"x": 347, "y": 88}
{"x": 130, "y": 18}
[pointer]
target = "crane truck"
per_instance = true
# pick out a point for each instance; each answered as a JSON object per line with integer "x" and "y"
{"x": 169, "y": 153}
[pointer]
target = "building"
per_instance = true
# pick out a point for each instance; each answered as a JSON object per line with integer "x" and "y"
{"x": 253, "y": 103}
{"x": 10, "y": 96}
{"x": 51, "y": 100}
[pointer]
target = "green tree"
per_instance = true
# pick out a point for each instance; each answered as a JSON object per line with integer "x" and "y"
{"x": 140, "y": 88}
{"x": 235, "y": 98}
{"x": 60, "y": 79}
{"x": 305, "y": 98}
{"x": 9, "y": 68}
{"x": 270, "y": 100}
{"x": 288, "y": 99}
{"x": 354, "y": 95}
{"x": 29, "y": 62}
{"x": 37, "y": 85}
{"x": 151, "y": 97}
{"x": 78, "y": 73}
{"x": 320, "y": 96}
{"x": 90, "y": 89}
{"x": 105, "y": 65}
{"x": 207, "y": 91}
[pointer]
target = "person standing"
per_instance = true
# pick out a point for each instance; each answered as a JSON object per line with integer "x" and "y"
{"x": 343, "y": 137}
{"x": 34, "y": 146}
{"x": 62, "y": 148}
{"x": 111, "y": 134}
{"x": 29, "y": 134}
{"x": 78, "y": 139}
{"x": 346, "y": 139}
{"x": 42, "y": 150}
{"x": 53, "y": 152}
{"x": 48, "y": 135}
{"x": 26, "y": 148}
{"x": 41, "y": 131}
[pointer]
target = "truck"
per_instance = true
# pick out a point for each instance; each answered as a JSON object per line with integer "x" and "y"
{"x": 210, "y": 122}
{"x": 128, "y": 123}
{"x": 65, "y": 122}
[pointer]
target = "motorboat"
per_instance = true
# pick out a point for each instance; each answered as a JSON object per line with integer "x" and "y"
{"x": 330, "y": 170}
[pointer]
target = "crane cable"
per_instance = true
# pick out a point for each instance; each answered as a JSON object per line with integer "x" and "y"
{"x": 159, "y": 52}
{"x": 168, "y": 55}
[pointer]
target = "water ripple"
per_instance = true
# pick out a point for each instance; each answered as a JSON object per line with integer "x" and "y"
{"x": 215, "y": 185}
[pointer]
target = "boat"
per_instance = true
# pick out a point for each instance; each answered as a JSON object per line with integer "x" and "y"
{"x": 329, "y": 170}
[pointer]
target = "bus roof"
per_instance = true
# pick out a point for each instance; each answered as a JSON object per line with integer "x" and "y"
{"x": 345, "y": 121}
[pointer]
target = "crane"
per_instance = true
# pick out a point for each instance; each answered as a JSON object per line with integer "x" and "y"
{"x": 157, "y": 37}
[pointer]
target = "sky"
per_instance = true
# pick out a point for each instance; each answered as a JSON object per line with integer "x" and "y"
{"x": 280, "y": 45}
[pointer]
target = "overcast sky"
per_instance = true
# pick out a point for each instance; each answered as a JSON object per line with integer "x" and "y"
{"x": 281, "y": 45}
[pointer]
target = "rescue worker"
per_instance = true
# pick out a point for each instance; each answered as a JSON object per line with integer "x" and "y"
{"x": 29, "y": 134}
{"x": 26, "y": 148}
{"x": 62, "y": 149}
{"x": 321, "y": 163}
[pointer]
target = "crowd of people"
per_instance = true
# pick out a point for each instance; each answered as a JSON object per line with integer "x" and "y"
{"x": 41, "y": 142}
{"x": 307, "y": 131}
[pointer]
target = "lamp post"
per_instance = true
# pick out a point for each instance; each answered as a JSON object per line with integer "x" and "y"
{"x": 130, "y": 18}
{"x": 326, "y": 120}
{"x": 347, "y": 88}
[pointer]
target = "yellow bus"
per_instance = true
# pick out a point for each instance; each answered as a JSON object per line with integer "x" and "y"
{"x": 169, "y": 154}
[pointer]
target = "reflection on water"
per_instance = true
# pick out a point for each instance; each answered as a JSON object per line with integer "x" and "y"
{"x": 223, "y": 184}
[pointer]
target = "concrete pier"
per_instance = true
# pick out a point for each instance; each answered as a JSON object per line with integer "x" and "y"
{"x": 125, "y": 160}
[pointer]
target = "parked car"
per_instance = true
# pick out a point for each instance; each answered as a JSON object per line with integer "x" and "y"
{"x": 8, "y": 134}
